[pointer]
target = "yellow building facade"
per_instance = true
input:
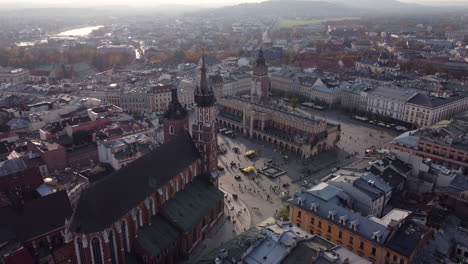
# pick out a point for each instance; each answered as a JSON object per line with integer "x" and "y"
{"x": 342, "y": 234}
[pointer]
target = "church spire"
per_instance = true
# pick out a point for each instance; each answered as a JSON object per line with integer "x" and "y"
{"x": 260, "y": 61}
{"x": 203, "y": 77}
{"x": 204, "y": 96}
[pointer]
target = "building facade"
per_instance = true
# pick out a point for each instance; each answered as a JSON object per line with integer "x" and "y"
{"x": 383, "y": 65}
{"x": 159, "y": 97}
{"x": 185, "y": 93}
{"x": 444, "y": 146}
{"x": 171, "y": 204}
{"x": 301, "y": 136}
{"x": 324, "y": 211}
{"x": 355, "y": 97}
{"x": 242, "y": 83}
{"x": 322, "y": 93}
{"x": 425, "y": 110}
{"x": 389, "y": 101}
{"x": 8, "y": 75}
{"x": 282, "y": 82}
{"x": 370, "y": 194}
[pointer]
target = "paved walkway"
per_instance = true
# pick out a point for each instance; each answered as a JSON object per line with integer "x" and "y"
{"x": 238, "y": 212}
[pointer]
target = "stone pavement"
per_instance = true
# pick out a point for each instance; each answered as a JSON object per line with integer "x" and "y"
{"x": 238, "y": 213}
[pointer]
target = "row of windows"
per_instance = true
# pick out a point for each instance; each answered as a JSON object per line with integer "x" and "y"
{"x": 340, "y": 232}
{"x": 351, "y": 239}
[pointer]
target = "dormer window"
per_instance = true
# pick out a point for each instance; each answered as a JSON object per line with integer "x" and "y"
{"x": 314, "y": 207}
{"x": 376, "y": 236}
{"x": 331, "y": 215}
{"x": 299, "y": 201}
{"x": 354, "y": 224}
{"x": 343, "y": 220}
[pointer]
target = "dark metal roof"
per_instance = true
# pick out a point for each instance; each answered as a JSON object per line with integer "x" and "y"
{"x": 364, "y": 186}
{"x": 157, "y": 236}
{"x": 35, "y": 218}
{"x": 189, "y": 206}
{"x": 307, "y": 251}
{"x": 107, "y": 200}
{"x": 432, "y": 102}
{"x": 407, "y": 238}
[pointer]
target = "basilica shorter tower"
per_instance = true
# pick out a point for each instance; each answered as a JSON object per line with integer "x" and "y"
{"x": 176, "y": 119}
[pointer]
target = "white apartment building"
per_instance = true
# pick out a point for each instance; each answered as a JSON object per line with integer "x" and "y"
{"x": 321, "y": 92}
{"x": 389, "y": 101}
{"x": 159, "y": 97}
{"x": 185, "y": 93}
{"x": 118, "y": 153}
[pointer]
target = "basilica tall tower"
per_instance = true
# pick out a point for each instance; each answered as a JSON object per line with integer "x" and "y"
{"x": 260, "y": 80}
{"x": 204, "y": 128}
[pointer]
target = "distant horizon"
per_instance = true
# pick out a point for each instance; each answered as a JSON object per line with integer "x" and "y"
{"x": 154, "y": 3}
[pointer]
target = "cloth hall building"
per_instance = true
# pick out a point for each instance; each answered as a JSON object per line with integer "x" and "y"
{"x": 299, "y": 135}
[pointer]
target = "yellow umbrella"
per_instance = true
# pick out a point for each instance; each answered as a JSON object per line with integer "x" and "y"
{"x": 249, "y": 169}
{"x": 249, "y": 153}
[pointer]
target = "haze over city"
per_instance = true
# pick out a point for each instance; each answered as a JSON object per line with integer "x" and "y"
{"x": 234, "y": 131}
{"x": 182, "y": 2}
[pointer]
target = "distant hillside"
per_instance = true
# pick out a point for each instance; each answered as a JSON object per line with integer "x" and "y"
{"x": 373, "y": 4}
{"x": 284, "y": 8}
{"x": 323, "y": 9}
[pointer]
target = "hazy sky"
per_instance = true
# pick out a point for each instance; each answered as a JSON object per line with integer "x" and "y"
{"x": 187, "y": 2}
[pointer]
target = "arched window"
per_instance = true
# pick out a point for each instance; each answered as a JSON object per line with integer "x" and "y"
{"x": 152, "y": 206}
{"x": 96, "y": 246}
{"x": 79, "y": 251}
{"x": 171, "y": 129}
{"x": 113, "y": 250}
{"x": 125, "y": 236}
{"x": 139, "y": 218}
